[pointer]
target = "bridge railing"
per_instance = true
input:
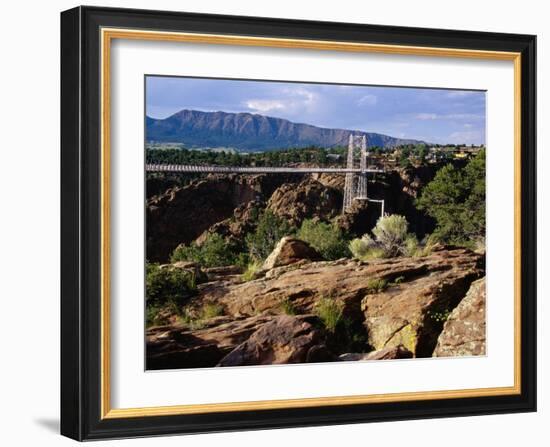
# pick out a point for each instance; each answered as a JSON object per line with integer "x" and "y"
{"x": 176, "y": 168}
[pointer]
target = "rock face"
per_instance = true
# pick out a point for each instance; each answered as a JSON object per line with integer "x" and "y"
{"x": 411, "y": 313}
{"x": 182, "y": 214}
{"x": 236, "y": 227}
{"x": 426, "y": 284}
{"x": 308, "y": 199}
{"x": 464, "y": 331}
{"x": 181, "y": 347}
{"x": 284, "y": 339}
{"x": 360, "y": 217}
{"x": 396, "y": 352}
{"x": 288, "y": 251}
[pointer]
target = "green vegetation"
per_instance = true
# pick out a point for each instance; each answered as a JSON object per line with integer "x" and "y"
{"x": 288, "y": 307}
{"x": 326, "y": 238}
{"x": 167, "y": 289}
{"x": 455, "y": 198}
{"x": 390, "y": 233}
{"x": 211, "y": 310}
{"x": 398, "y": 280}
{"x": 178, "y": 155}
{"x": 250, "y": 271}
{"x": 330, "y": 312}
{"x": 270, "y": 229}
{"x": 215, "y": 251}
{"x": 439, "y": 316}
{"x": 197, "y": 319}
{"x": 376, "y": 285}
{"x": 365, "y": 248}
{"x": 390, "y": 239}
{"x": 346, "y": 334}
{"x": 154, "y": 315}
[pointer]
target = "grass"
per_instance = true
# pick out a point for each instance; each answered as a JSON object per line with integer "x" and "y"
{"x": 197, "y": 319}
{"x": 330, "y": 312}
{"x": 211, "y": 310}
{"x": 251, "y": 270}
{"x": 376, "y": 285}
{"x": 288, "y": 307}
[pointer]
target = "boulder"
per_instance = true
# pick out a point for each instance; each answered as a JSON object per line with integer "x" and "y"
{"x": 390, "y": 353}
{"x": 288, "y": 251}
{"x": 464, "y": 331}
{"x": 284, "y": 339}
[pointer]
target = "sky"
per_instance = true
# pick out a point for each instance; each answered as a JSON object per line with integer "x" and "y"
{"x": 432, "y": 115}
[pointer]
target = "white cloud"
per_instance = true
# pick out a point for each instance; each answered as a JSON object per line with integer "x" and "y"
{"x": 291, "y": 100}
{"x": 368, "y": 99}
{"x": 265, "y": 105}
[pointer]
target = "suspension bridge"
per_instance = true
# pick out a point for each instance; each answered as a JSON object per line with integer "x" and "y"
{"x": 355, "y": 185}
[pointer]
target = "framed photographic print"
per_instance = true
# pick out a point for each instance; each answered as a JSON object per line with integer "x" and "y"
{"x": 276, "y": 223}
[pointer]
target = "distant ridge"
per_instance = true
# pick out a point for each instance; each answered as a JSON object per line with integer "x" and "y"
{"x": 251, "y": 132}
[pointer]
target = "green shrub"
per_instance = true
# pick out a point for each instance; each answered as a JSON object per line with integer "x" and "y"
{"x": 215, "y": 251}
{"x": 168, "y": 286}
{"x": 359, "y": 248}
{"x": 270, "y": 229}
{"x": 390, "y": 239}
{"x": 167, "y": 290}
{"x": 365, "y": 248}
{"x": 390, "y": 233}
{"x": 326, "y": 238}
{"x": 153, "y": 316}
{"x": 330, "y": 312}
{"x": 376, "y": 285}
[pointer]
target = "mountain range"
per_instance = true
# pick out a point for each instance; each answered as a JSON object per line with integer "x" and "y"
{"x": 249, "y": 132}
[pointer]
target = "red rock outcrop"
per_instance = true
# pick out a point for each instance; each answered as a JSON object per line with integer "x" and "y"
{"x": 308, "y": 199}
{"x": 179, "y": 346}
{"x": 464, "y": 331}
{"x": 411, "y": 313}
{"x": 284, "y": 339}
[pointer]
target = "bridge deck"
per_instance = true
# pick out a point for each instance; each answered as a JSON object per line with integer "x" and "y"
{"x": 252, "y": 170}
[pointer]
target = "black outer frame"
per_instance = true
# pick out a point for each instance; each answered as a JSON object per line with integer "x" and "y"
{"x": 80, "y": 223}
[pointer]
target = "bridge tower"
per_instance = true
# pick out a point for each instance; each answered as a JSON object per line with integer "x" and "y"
{"x": 355, "y": 187}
